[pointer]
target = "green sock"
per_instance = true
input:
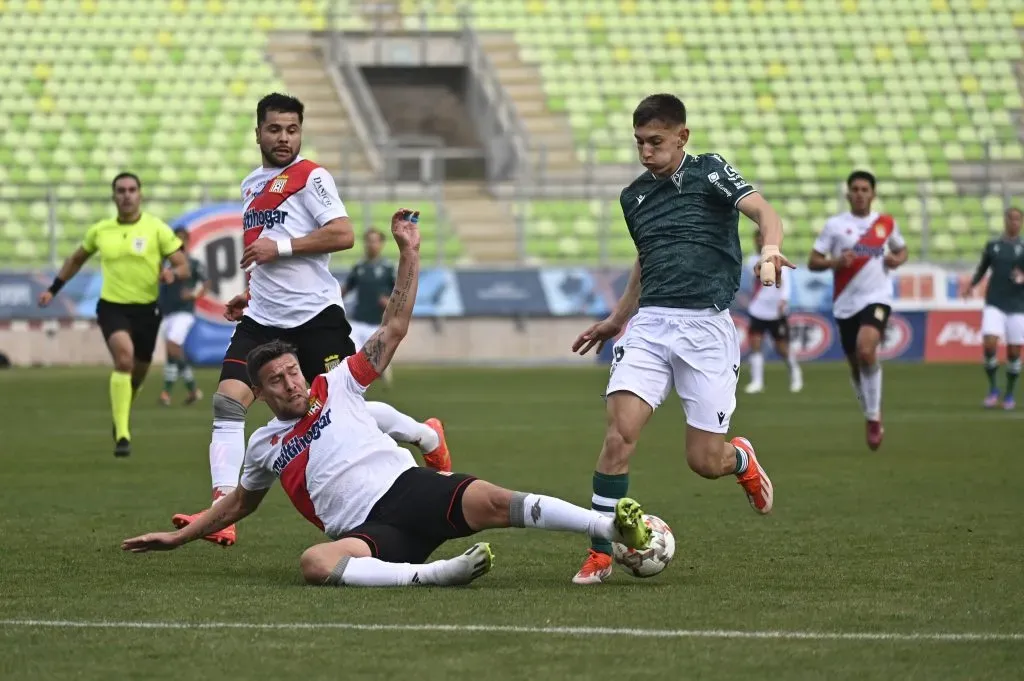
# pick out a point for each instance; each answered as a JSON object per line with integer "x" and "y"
{"x": 170, "y": 375}
{"x": 121, "y": 402}
{"x": 608, "y": 489}
{"x": 190, "y": 378}
{"x": 1012, "y": 372}
{"x": 991, "y": 369}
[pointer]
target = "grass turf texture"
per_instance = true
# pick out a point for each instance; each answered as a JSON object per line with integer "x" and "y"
{"x": 923, "y": 536}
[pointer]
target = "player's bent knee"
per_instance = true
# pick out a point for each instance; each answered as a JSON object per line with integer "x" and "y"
{"x": 315, "y": 565}
{"x": 321, "y": 564}
{"x": 227, "y": 408}
{"x": 485, "y": 505}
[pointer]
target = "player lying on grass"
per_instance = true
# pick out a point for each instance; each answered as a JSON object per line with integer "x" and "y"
{"x": 384, "y": 515}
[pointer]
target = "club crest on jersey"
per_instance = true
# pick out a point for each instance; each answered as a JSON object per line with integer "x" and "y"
{"x": 879, "y": 231}
{"x": 277, "y": 186}
{"x": 301, "y": 442}
{"x": 315, "y": 405}
{"x": 331, "y": 362}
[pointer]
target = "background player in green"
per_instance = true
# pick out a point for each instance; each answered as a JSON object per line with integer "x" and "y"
{"x": 177, "y": 304}
{"x": 132, "y": 247}
{"x": 372, "y": 279}
{"x": 1003, "y": 316}
{"x": 682, "y": 216}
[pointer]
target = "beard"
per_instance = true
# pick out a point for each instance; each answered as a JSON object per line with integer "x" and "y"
{"x": 270, "y": 159}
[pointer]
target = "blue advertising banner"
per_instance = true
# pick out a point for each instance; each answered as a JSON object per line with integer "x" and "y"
{"x": 572, "y": 292}
{"x": 19, "y": 293}
{"x": 496, "y": 293}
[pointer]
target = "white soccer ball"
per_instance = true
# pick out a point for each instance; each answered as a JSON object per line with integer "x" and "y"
{"x": 655, "y": 558}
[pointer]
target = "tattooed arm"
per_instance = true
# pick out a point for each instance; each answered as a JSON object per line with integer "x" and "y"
{"x": 381, "y": 346}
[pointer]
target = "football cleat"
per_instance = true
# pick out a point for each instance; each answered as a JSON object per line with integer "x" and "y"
{"x": 461, "y": 570}
{"x": 754, "y": 480}
{"x": 596, "y": 568}
{"x": 165, "y": 398}
{"x": 438, "y": 458}
{"x": 1009, "y": 404}
{"x": 123, "y": 447}
{"x": 194, "y": 396}
{"x": 630, "y": 527}
{"x": 874, "y": 432}
{"x": 754, "y": 388}
{"x": 992, "y": 400}
{"x": 225, "y": 537}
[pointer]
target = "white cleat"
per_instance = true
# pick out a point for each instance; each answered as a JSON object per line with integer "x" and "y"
{"x": 754, "y": 388}
{"x": 796, "y": 384}
{"x": 461, "y": 570}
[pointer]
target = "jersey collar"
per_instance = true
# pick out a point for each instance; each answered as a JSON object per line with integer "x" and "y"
{"x": 682, "y": 162}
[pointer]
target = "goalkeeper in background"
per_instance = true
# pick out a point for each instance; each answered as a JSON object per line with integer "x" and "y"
{"x": 132, "y": 248}
{"x": 1003, "y": 316}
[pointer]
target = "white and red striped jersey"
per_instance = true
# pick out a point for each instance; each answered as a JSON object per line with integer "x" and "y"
{"x": 866, "y": 281}
{"x": 288, "y": 203}
{"x": 334, "y": 463}
{"x": 766, "y": 301}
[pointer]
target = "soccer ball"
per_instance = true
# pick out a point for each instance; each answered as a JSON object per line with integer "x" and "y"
{"x": 654, "y": 558}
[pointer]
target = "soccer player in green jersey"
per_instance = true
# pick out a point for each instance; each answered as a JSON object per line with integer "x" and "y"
{"x": 178, "y": 304}
{"x": 373, "y": 279}
{"x": 1003, "y": 316}
{"x": 683, "y": 216}
{"x": 132, "y": 248}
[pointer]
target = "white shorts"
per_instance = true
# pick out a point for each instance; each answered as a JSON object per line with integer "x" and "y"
{"x": 361, "y": 333}
{"x": 697, "y": 351}
{"x": 1008, "y": 326}
{"x": 177, "y": 325}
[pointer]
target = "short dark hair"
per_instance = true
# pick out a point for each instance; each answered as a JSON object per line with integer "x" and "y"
{"x": 262, "y": 355}
{"x": 860, "y": 175}
{"x": 374, "y": 230}
{"x": 660, "y": 107}
{"x": 180, "y": 230}
{"x": 121, "y": 176}
{"x": 1013, "y": 209}
{"x": 275, "y": 101}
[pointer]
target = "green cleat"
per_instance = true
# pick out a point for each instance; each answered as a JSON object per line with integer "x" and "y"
{"x": 630, "y": 525}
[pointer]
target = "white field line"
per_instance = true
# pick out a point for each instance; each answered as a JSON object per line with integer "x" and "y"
{"x": 938, "y": 637}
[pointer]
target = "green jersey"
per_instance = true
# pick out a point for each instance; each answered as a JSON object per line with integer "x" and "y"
{"x": 686, "y": 231}
{"x": 1003, "y": 256}
{"x": 171, "y": 300}
{"x": 373, "y": 281}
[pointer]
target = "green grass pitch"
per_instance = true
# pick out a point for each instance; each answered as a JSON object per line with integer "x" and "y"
{"x": 921, "y": 537}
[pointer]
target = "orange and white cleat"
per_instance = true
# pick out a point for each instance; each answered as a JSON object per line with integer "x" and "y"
{"x": 754, "y": 480}
{"x": 873, "y": 433}
{"x": 225, "y": 537}
{"x": 438, "y": 458}
{"x": 165, "y": 398}
{"x": 596, "y": 569}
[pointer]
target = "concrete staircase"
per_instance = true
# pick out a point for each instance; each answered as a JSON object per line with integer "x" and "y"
{"x": 545, "y": 128}
{"x": 483, "y": 224}
{"x": 299, "y": 60}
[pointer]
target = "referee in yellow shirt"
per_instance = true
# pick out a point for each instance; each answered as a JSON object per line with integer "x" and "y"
{"x": 132, "y": 248}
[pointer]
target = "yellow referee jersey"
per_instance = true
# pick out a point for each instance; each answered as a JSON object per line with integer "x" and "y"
{"x": 131, "y": 256}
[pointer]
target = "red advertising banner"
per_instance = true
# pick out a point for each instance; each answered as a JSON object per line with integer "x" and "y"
{"x": 955, "y": 336}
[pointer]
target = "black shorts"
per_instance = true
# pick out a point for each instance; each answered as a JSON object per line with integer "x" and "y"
{"x": 421, "y": 511}
{"x": 778, "y": 328}
{"x": 321, "y": 342}
{"x": 141, "y": 321}
{"x": 876, "y": 315}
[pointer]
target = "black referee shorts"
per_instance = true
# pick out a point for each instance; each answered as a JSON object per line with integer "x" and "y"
{"x": 141, "y": 321}
{"x": 421, "y": 511}
{"x": 322, "y": 342}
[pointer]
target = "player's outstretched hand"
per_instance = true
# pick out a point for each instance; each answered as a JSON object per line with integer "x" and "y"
{"x": 405, "y": 230}
{"x": 233, "y": 310}
{"x": 45, "y": 298}
{"x": 156, "y": 541}
{"x": 777, "y": 262}
{"x": 598, "y": 335}
{"x": 259, "y": 252}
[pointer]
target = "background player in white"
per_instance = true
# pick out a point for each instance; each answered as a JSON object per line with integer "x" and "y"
{"x": 293, "y": 220}
{"x": 384, "y": 515}
{"x": 767, "y": 311}
{"x": 861, "y": 246}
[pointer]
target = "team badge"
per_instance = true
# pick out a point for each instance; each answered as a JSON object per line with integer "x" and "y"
{"x": 879, "y": 231}
{"x": 139, "y": 244}
{"x": 277, "y": 187}
{"x": 315, "y": 405}
{"x": 331, "y": 362}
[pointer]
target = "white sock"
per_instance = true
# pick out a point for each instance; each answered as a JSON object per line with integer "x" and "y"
{"x": 187, "y": 374}
{"x": 375, "y": 572}
{"x": 403, "y": 428}
{"x": 550, "y": 513}
{"x": 859, "y": 392}
{"x": 794, "y": 366}
{"x": 171, "y": 371}
{"x": 227, "y": 450}
{"x": 871, "y": 382}
{"x": 756, "y": 360}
